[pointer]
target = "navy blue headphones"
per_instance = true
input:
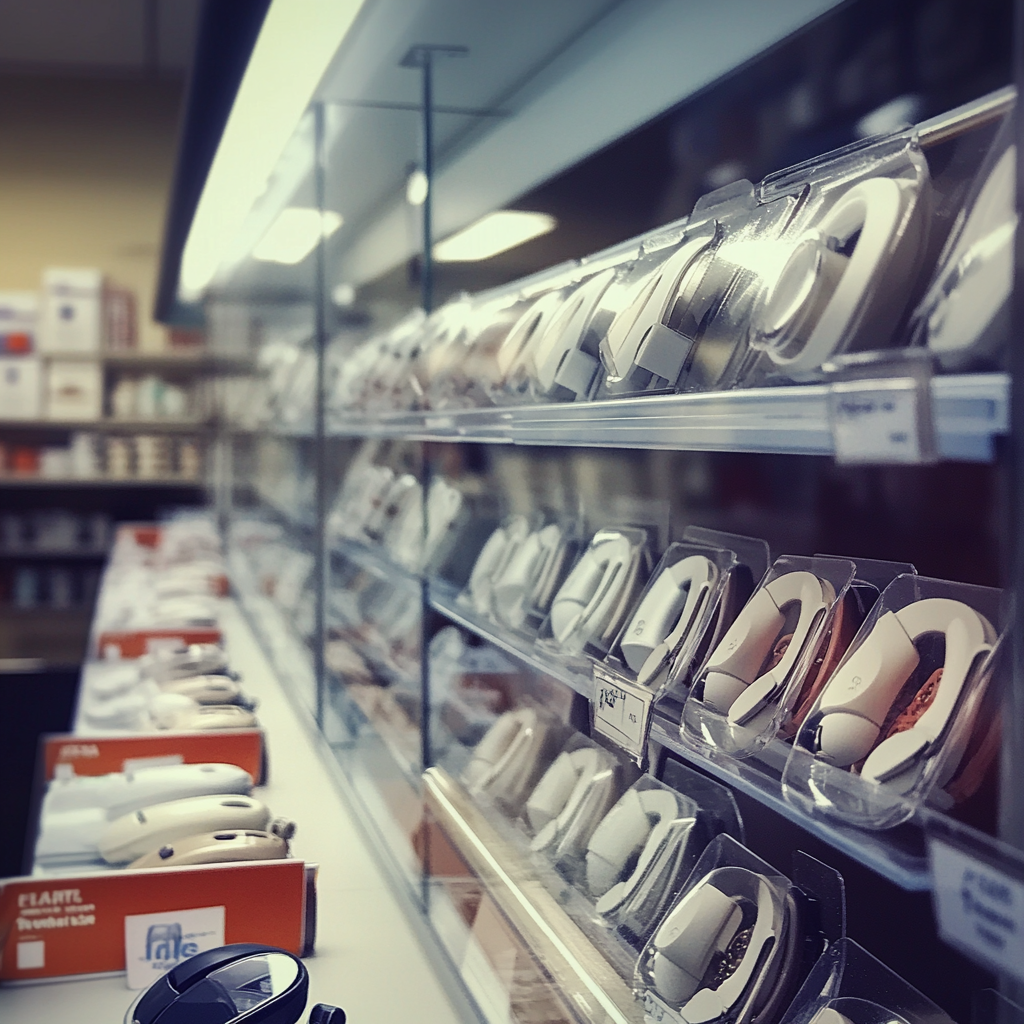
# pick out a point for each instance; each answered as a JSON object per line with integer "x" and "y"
{"x": 244, "y": 983}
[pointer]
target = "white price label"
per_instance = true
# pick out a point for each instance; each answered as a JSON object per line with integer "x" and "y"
{"x": 876, "y": 422}
{"x": 155, "y": 943}
{"x": 980, "y": 909}
{"x": 621, "y": 712}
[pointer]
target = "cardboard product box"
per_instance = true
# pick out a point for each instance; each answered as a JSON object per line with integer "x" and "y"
{"x": 18, "y": 314}
{"x": 74, "y": 390}
{"x": 21, "y": 388}
{"x": 147, "y": 921}
{"x": 71, "y": 310}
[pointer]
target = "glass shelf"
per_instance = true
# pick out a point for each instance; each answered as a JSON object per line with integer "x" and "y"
{"x": 969, "y": 410}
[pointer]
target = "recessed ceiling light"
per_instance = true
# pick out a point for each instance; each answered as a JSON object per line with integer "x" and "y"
{"x": 494, "y": 233}
{"x": 416, "y": 188}
{"x": 292, "y": 236}
{"x": 297, "y": 42}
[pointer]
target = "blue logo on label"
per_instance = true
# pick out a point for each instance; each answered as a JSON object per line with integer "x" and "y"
{"x": 163, "y": 943}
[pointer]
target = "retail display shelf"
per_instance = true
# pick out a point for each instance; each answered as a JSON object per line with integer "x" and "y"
{"x": 100, "y": 481}
{"x": 199, "y": 362}
{"x": 111, "y": 426}
{"x": 969, "y": 411}
{"x": 444, "y": 599}
{"x": 292, "y": 518}
{"x": 580, "y": 972}
{"x": 896, "y": 854}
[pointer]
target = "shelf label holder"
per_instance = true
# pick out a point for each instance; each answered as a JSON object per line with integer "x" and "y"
{"x": 880, "y": 409}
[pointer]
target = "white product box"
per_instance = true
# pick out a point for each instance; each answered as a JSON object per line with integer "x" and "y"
{"x": 71, "y": 310}
{"x": 21, "y": 388}
{"x": 74, "y": 390}
{"x": 18, "y": 314}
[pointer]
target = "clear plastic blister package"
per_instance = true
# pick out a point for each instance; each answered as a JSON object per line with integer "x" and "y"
{"x": 592, "y": 604}
{"x": 748, "y": 686}
{"x": 740, "y": 939}
{"x": 849, "y": 986}
{"x": 507, "y": 763}
{"x": 964, "y": 317}
{"x": 640, "y": 853}
{"x": 570, "y": 800}
{"x": 904, "y": 708}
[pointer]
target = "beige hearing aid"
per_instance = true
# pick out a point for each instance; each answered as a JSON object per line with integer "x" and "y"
{"x": 217, "y": 848}
{"x": 857, "y": 699}
{"x": 731, "y": 684}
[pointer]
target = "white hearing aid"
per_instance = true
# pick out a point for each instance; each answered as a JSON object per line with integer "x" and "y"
{"x": 806, "y": 313}
{"x": 590, "y": 599}
{"x": 444, "y": 502}
{"x": 506, "y": 762}
{"x": 977, "y": 279}
{"x": 572, "y": 794}
{"x": 193, "y": 660}
{"x": 511, "y": 589}
{"x": 638, "y": 335}
{"x": 636, "y": 827}
{"x": 208, "y": 689}
{"x": 202, "y": 717}
{"x": 514, "y": 350}
{"x": 494, "y": 557}
{"x": 731, "y": 684}
{"x": 558, "y": 549}
{"x": 857, "y": 699}
{"x": 558, "y": 357}
{"x": 121, "y": 792}
{"x": 131, "y": 836}
{"x": 721, "y": 947}
{"x": 666, "y": 614}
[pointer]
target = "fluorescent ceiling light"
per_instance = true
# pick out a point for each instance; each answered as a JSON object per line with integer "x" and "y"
{"x": 498, "y": 231}
{"x": 295, "y": 45}
{"x": 290, "y": 239}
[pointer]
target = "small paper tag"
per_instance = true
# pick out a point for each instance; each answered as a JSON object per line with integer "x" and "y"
{"x": 155, "y": 943}
{"x": 979, "y": 908}
{"x": 622, "y": 711}
{"x": 877, "y": 421}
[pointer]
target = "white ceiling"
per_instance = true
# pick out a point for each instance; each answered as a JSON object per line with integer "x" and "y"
{"x": 121, "y": 37}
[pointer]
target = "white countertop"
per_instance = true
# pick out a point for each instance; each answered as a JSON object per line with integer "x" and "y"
{"x": 368, "y": 959}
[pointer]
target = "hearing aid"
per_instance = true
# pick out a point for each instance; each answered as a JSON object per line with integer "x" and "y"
{"x": 666, "y": 614}
{"x": 496, "y": 554}
{"x": 859, "y": 696}
{"x": 806, "y": 313}
{"x": 589, "y": 603}
{"x": 732, "y": 685}
{"x": 570, "y": 799}
{"x": 638, "y": 336}
{"x": 633, "y": 833}
{"x": 722, "y": 950}
{"x": 508, "y": 760}
{"x": 132, "y": 835}
{"x": 513, "y": 352}
{"x": 558, "y": 355}
{"x": 209, "y": 689}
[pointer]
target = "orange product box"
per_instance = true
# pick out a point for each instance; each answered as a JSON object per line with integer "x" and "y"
{"x": 134, "y": 643}
{"x": 100, "y": 755}
{"x": 75, "y": 924}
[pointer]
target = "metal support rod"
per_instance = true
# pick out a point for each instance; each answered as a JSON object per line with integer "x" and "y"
{"x": 427, "y": 268}
{"x": 320, "y": 554}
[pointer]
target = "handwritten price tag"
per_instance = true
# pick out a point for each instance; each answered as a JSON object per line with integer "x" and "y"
{"x": 622, "y": 711}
